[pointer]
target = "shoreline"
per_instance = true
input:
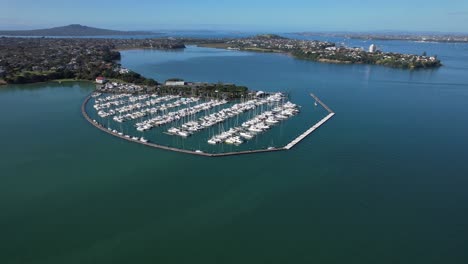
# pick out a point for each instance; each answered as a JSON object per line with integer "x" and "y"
{"x": 143, "y": 48}
{"x": 320, "y": 60}
{"x": 3, "y": 84}
{"x": 225, "y": 47}
{"x": 48, "y": 81}
{"x": 69, "y": 80}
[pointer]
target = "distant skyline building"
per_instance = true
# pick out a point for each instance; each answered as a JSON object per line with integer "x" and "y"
{"x": 372, "y": 48}
{"x": 175, "y": 83}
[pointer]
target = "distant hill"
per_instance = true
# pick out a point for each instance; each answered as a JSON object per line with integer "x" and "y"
{"x": 71, "y": 30}
{"x": 269, "y": 36}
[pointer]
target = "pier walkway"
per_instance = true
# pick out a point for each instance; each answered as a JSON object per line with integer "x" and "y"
{"x": 314, "y": 127}
{"x": 308, "y": 131}
{"x": 321, "y": 103}
{"x": 200, "y": 153}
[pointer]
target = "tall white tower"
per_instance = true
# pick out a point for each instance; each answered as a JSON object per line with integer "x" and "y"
{"x": 372, "y": 48}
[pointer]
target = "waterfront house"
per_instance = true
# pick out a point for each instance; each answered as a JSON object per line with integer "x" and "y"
{"x": 101, "y": 80}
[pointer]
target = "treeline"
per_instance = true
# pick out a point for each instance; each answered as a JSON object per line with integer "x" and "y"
{"x": 218, "y": 90}
{"x": 111, "y": 55}
{"x": 130, "y": 77}
{"x": 337, "y": 56}
{"x": 33, "y": 77}
{"x": 414, "y": 64}
{"x": 390, "y": 60}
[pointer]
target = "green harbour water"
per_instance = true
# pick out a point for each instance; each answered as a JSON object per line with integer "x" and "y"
{"x": 384, "y": 181}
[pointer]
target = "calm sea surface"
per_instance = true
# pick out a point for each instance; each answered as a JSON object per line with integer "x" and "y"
{"x": 384, "y": 181}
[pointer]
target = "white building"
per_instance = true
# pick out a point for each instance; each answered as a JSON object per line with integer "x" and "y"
{"x": 372, "y": 48}
{"x": 101, "y": 80}
{"x": 175, "y": 83}
{"x": 124, "y": 70}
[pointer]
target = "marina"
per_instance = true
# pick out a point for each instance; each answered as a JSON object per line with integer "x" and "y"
{"x": 263, "y": 112}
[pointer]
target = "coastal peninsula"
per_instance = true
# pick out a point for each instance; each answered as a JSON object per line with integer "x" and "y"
{"x": 327, "y": 52}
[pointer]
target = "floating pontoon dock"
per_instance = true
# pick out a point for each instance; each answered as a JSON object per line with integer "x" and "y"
{"x": 314, "y": 127}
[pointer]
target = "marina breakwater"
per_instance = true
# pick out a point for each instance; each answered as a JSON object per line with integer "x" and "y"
{"x": 201, "y": 153}
{"x": 314, "y": 127}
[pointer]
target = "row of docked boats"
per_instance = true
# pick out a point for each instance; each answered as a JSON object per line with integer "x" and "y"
{"x": 131, "y": 105}
{"x": 135, "y": 103}
{"x": 126, "y": 101}
{"x": 259, "y": 124}
{"x": 101, "y": 100}
{"x": 210, "y": 120}
{"x": 114, "y": 131}
{"x": 143, "y": 112}
{"x": 177, "y": 115}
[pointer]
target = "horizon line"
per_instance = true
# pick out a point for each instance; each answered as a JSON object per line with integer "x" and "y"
{"x": 227, "y": 28}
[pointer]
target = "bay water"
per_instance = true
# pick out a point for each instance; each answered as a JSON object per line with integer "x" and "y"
{"x": 384, "y": 181}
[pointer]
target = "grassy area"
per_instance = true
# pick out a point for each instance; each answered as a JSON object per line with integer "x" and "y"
{"x": 262, "y": 50}
{"x": 334, "y": 61}
{"x": 134, "y": 48}
{"x": 214, "y": 45}
{"x": 83, "y": 80}
{"x": 23, "y": 73}
{"x": 225, "y": 46}
{"x": 69, "y": 80}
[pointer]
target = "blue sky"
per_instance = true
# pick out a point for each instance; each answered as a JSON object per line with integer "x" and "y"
{"x": 244, "y": 15}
